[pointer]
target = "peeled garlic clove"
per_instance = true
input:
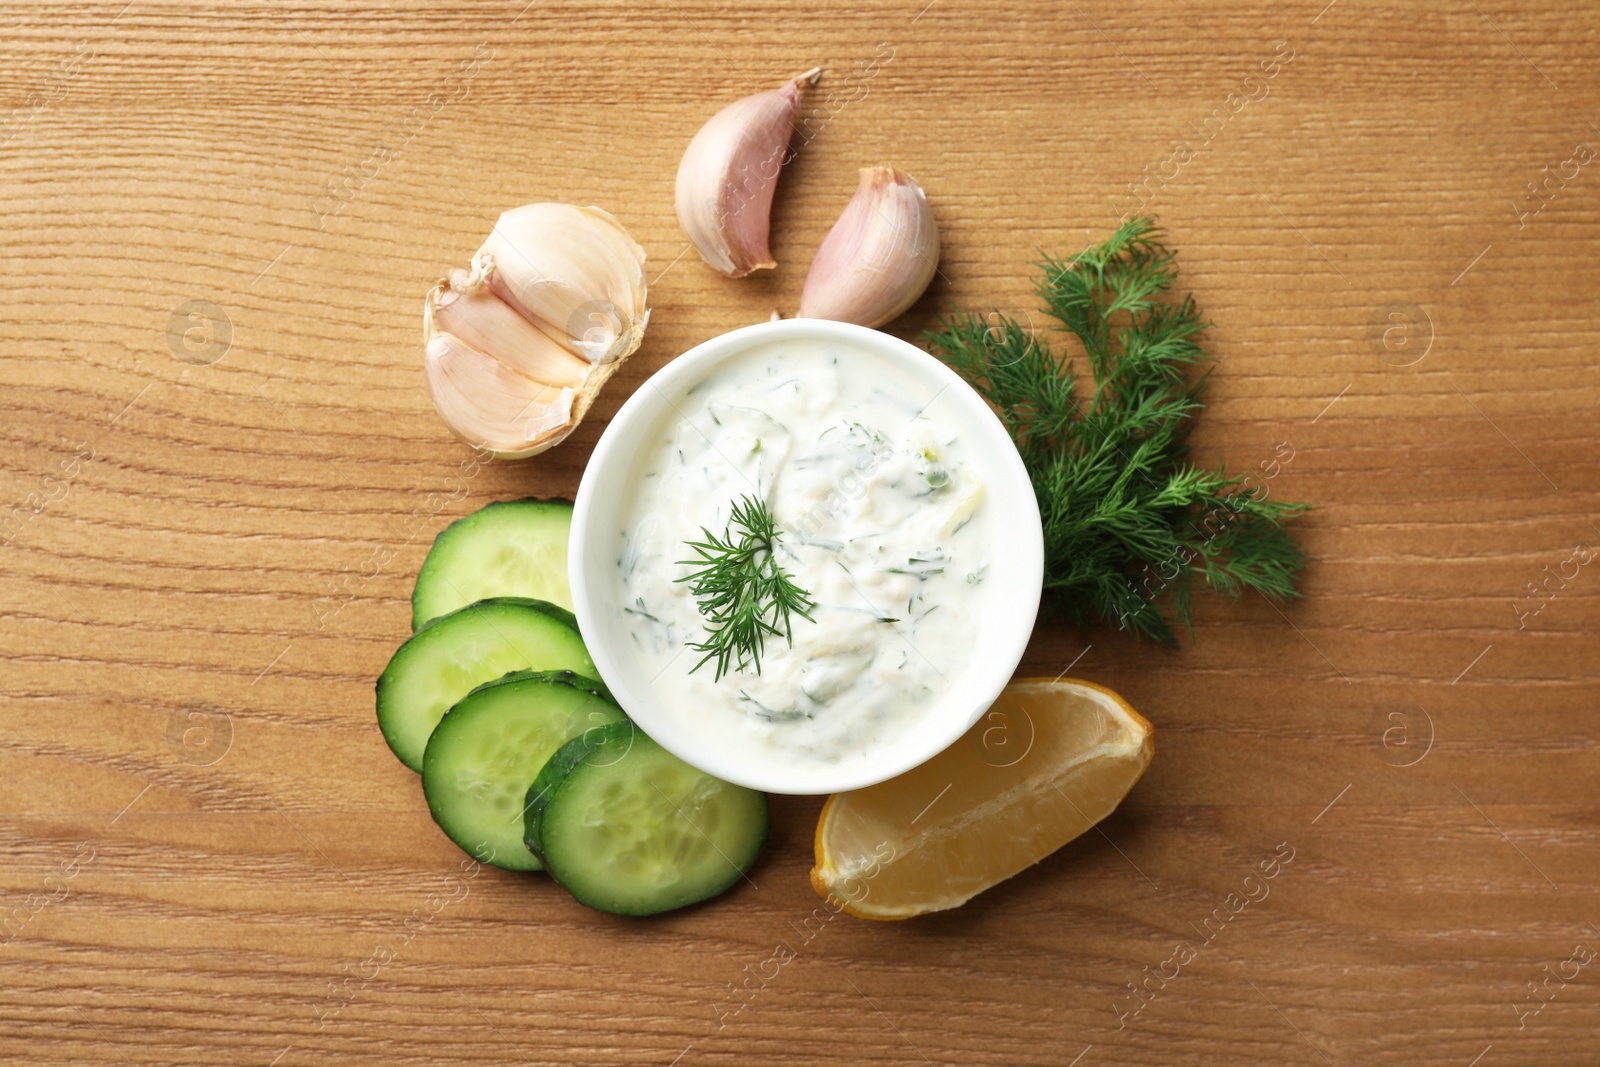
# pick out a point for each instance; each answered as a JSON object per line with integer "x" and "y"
{"x": 517, "y": 347}
{"x": 572, "y": 271}
{"x": 879, "y": 256}
{"x": 728, "y": 174}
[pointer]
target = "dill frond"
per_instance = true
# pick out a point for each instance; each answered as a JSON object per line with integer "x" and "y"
{"x": 742, "y": 592}
{"x": 1129, "y": 523}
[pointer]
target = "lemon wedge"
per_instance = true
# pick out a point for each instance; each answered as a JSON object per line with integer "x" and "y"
{"x": 1046, "y": 762}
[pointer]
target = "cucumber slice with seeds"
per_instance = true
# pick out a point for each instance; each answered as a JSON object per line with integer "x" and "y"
{"x": 448, "y": 658}
{"x": 629, "y": 828}
{"x": 479, "y": 761}
{"x": 509, "y": 548}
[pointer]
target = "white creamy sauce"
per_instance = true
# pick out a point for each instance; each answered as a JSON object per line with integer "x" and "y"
{"x": 882, "y": 522}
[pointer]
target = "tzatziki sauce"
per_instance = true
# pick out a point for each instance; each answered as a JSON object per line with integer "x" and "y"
{"x": 882, "y": 522}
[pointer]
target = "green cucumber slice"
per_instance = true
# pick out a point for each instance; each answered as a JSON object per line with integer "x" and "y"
{"x": 509, "y": 548}
{"x": 445, "y": 660}
{"x": 629, "y": 828}
{"x": 479, "y": 761}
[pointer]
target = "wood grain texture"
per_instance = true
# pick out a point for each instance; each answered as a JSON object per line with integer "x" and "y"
{"x": 229, "y": 545}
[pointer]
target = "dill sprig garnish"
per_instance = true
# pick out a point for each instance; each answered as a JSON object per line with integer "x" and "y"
{"x": 1129, "y": 522}
{"x": 742, "y": 592}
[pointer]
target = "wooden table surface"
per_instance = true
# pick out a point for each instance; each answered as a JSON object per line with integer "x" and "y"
{"x": 223, "y": 471}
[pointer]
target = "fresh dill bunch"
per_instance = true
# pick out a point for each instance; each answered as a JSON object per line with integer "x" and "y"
{"x": 742, "y": 592}
{"x": 1129, "y": 523}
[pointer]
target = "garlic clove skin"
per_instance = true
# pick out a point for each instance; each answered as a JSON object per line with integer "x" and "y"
{"x": 493, "y": 407}
{"x": 879, "y": 257}
{"x": 574, "y": 272}
{"x": 728, "y": 174}
{"x": 484, "y": 321}
{"x": 517, "y": 346}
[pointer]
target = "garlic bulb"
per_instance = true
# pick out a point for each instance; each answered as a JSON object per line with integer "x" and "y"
{"x": 516, "y": 347}
{"x": 728, "y": 173}
{"x": 879, "y": 256}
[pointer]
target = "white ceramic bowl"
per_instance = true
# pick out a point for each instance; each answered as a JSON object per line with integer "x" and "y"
{"x": 1016, "y": 567}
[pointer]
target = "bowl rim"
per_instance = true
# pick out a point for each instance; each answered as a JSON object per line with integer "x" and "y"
{"x": 607, "y": 471}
